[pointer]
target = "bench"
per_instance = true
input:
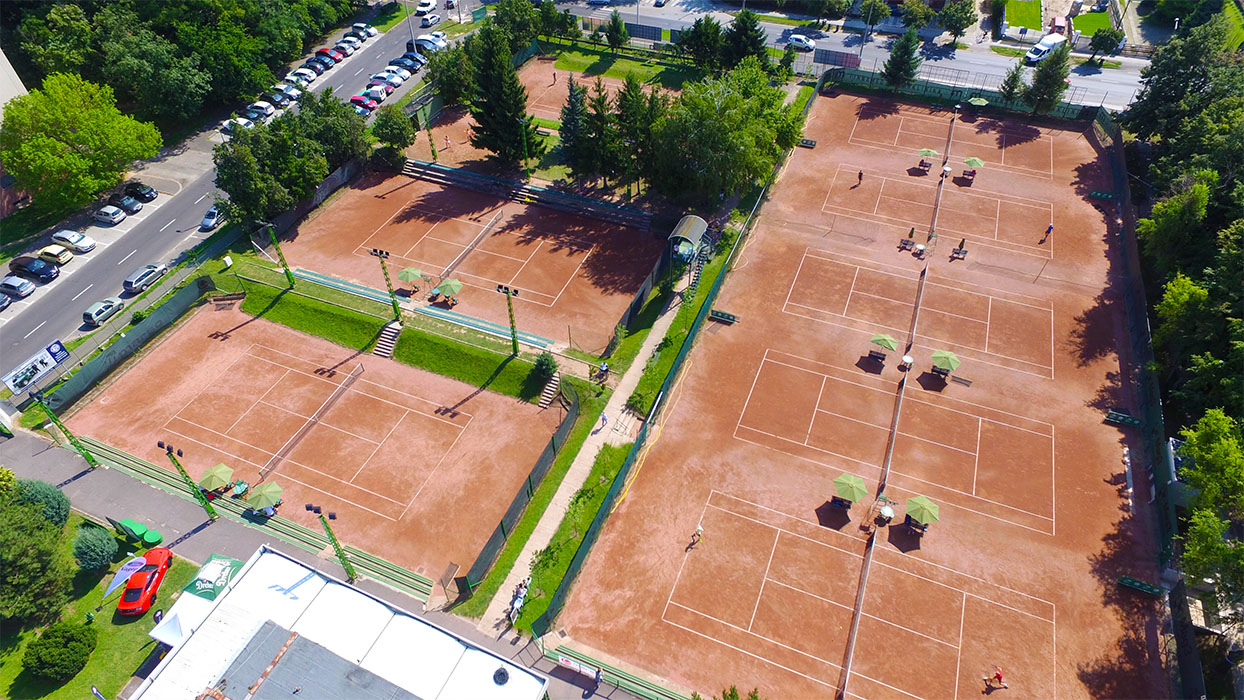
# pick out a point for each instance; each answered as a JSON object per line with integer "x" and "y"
{"x": 543, "y": 132}
{"x": 1118, "y": 418}
{"x": 914, "y": 527}
{"x": 959, "y": 254}
{"x": 1141, "y": 586}
{"x": 838, "y": 502}
{"x": 1098, "y": 194}
{"x": 943, "y": 373}
{"x": 723, "y": 317}
{"x": 807, "y": 143}
{"x": 970, "y": 174}
{"x": 906, "y": 244}
{"x": 876, "y": 355}
{"x": 925, "y": 165}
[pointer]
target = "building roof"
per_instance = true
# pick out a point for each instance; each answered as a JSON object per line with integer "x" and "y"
{"x": 278, "y": 621}
{"x": 10, "y": 85}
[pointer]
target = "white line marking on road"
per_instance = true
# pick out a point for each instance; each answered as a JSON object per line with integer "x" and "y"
{"x": 358, "y": 71}
{"x": 200, "y": 199}
{"x": 33, "y": 331}
{"x": 75, "y": 298}
{"x": 128, "y": 256}
{"x": 166, "y": 226}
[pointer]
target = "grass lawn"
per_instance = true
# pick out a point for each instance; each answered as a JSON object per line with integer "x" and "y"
{"x": 289, "y": 308}
{"x": 1024, "y": 13}
{"x": 454, "y": 29}
{"x": 1007, "y": 50}
{"x": 788, "y": 21}
{"x": 390, "y": 16}
{"x": 591, "y": 62}
{"x": 546, "y": 123}
{"x": 551, "y": 166}
{"x": 805, "y": 94}
{"x": 1100, "y": 62}
{"x": 1089, "y": 22}
{"x": 123, "y": 641}
{"x": 486, "y": 370}
{"x": 549, "y": 564}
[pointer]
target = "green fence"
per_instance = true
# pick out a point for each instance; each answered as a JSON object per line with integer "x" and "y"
{"x": 928, "y": 89}
{"x": 488, "y": 555}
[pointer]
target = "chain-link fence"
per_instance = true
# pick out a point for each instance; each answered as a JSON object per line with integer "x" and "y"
{"x": 964, "y": 88}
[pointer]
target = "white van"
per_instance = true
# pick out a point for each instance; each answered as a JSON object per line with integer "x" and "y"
{"x": 1048, "y": 43}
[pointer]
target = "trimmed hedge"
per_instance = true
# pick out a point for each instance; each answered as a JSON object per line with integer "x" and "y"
{"x": 61, "y": 652}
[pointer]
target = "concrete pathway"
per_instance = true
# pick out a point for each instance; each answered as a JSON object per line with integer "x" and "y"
{"x": 618, "y": 430}
{"x": 188, "y": 532}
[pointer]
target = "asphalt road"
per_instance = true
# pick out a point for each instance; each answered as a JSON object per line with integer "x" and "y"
{"x": 166, "y": 226}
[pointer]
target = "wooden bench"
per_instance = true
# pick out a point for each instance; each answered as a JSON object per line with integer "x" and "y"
{"x": 925, "y": 165}
{"x": 807, "y": 143}
{"x": 723, "y": 317}
{"x": 876, "y": 355}
{"x": 914, "y": 527}
{"x": 970, "y": 174}
{"x": 543, "y": 132}
{"x": 1141, "y": 586}
{"x": 959, "y": 254}
{"x": 943, "y": 373}
{"x": 839, "y": 502}
{"x": 1098, "y": 194}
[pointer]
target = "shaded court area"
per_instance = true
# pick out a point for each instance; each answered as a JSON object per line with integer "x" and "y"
{"x": 393, "y": 450}
{"x": 575, "y": 274}
{"x": 741, "y": 566}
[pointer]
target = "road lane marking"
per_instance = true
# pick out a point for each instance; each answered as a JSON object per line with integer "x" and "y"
{"x": 128, "y": 256}
{"x": 33, "y": 331}
{"x": 75, "y": 298}
{"x": 166, "y": 226}
{"x": 200, "y": 199}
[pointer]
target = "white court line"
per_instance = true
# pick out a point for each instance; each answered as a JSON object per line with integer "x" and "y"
{"x": 338, "y": 496}
{"x": 976, "y": 462}
{"x": 963, "y": 613}
{"x": 815, "y": 407}
{"x": 572, "y": 276}
{"x": 378, "y": 446}
{"x": 261, "y": 397}
{"x": 761, "y": 594}
{"x": 989, "y": 315}
{"x": 435, "y": 469}
{"x": 850, "y": 291}
{"x": 321, "y": 422}
{"x": 75, "y": 297}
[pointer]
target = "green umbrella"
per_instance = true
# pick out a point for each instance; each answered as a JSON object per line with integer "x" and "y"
{"x": 978, "y": 101}
{"x": 973, "y": 162}
{"x": 922, "y": 510}
{"x": 886, "y": 341}
{"x": 927, "y": 152}
{"x": 265, "y": 495}
{"x": 850, "y": 487}
{"x": 410, "y": 274}
{"x": 449, "y": 287}
{"x": 216, "y": 477}
{"x": 945, "y": 359}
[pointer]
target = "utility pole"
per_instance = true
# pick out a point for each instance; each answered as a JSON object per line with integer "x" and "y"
{"x": 280, "y": 255}
{"x": 73, "y": 439}
{"x": 351, "y": 575}
{"x": 526, "y": 159}
{"x": 510, "y": 293}
{"x": 397, "y": 310}
{"x": 194, "y": 488}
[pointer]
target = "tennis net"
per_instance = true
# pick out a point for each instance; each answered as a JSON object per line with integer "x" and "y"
{"x": 314, "y": 420}
{"x": 474, "y": 244}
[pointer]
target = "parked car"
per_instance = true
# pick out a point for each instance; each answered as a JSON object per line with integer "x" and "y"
{"x": 315, "y": 66}
{"x": 141, "y": 589}
{"x": 141, "y": 192}
{"x": 33, "y": 268}
{"x": 98, "y": 313}
{"x": 303, "y": 76}
{"x": 361, "y": 111}
{"x": 5, "y": 300}
{"x": 366, "y": 28}
{"x": 416, "y": 58}
{"x": 267, "y": 109}
{"x": 659, "y": 3}
{"x": 279, "y": 99}
{"x": 364, "y": 102}
{"x": 344, "y": 49}
{"x": 126, "y": 202}
{"x": 430, "y": 20}
{"x": 236, "y": 123}
{"x": 16, "y": 287}
{"x": 109, "y": 215}
{"x": 1043, "y": 48}
{"x": 353, "y": 42}
{"x": 144, "y": 277}
{"x": 213, "y": 218}
{"x": 357, "y": 34}
{"x": 336, "y": 56}
{"x": 598, "y": 2}
{"x": 388, "y": 78}
{"x": 324, "y": 61}
{"x": 440, "y": 36}
{"x": 426, "y": 43}
{"x": 801, "y": 42}
{"x": 425, "y": 6}
{"x": 396, "y": 70}
{"x": 381, "y": 86}
{"x": 56, "y": 254}
{"x": 77, "y": 242}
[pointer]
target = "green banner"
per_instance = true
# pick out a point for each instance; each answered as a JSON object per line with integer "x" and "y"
{"x": 478, "y": 14}
{"x": 214, "y": 576}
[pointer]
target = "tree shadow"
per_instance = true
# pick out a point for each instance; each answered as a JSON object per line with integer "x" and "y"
{"x": 930, "y": 51}
{"x": 1094, "y": 334}
{"x": 875, "y": 107}
{"x": 1009, "y": 132}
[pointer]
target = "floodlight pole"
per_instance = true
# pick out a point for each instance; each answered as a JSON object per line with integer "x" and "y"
{"x": 73, "y": 439}
{"x": 351, "y": 574}
{"x": 509, "y": 303}
{"x": 280, "y": 255}
{"x": 397, "y": 310}
{"x": 427, "y": 125}
{"x": 194, "y": 488}
{"x": 526, "y": 158}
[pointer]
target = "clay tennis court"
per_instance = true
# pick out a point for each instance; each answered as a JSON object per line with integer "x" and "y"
{"x": 393, "y": 450}
{"x": 575, "y": 274}
{"x": 1035, "y": 521}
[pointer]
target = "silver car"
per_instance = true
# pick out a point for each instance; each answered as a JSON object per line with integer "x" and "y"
{"x": 110, "y": 215}
{"x": 213, "y": 218}
{"x": 17, "y": 287}
{"x": 77, "y": 242}
{"x": 101, "y": 311}
{"x": 144, "y": 277}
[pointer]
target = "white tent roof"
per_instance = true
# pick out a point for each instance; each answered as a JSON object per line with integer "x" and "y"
{"x": 414, "y": 655}
{"x": 472, "y": 679}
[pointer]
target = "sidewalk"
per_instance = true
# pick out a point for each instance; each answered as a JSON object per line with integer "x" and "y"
{"x": 618, "y": 431}
{"x": 188, "y": 532}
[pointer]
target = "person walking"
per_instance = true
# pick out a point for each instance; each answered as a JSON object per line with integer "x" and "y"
{"x": 448, "y": 143}
{"x": 1049, "y": 231}
{"x": 860, "y": 179}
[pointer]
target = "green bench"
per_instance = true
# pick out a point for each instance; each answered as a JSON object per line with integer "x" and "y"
{"x": 543, "y": 132}
{"x": 807, "y": 143}
{"x": 722, "y": 316}
{"x": 1119, "y": 418}
{"x": 1098, "y": 194}
{"x": 1141, "y": 586}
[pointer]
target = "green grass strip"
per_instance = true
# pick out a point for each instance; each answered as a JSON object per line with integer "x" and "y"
{"x": 591, "y": 403}
{"x": 1024, "y": 13}
{"x": 591, "y": 62}
{"x": 476, "y": 366}
{"x": 1090, "y": 23}
{"x": 1008, "y": 51}
{"x": 805, "y": 94}
{"x": 549, "y": 565}
{"x": 342, "y": 326}
{"x": 390, "y": 16}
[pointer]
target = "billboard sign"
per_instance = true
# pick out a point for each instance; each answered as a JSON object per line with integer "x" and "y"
{"x": 36, "y": 367}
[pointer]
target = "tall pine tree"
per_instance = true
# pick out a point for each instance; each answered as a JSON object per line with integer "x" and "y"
{"x": 500, "y": 103}
{"x": 575, "y": 145}
{"x": 1013, "y": 85}
{"x": 900, "y": 68}
{"x": 1049, "y": 80}
{"x": 745, "y": 38}
{"x": 602, "y": 133}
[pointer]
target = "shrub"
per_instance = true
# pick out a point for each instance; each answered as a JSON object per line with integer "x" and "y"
{"x": 8, "y": 486}
{"x": 61, "y": 652}
{"x": 55, "y": 504}
{"x": 139, "y": 316}
{"x": 546, "y": 366}
{"x": 94, "y": 547}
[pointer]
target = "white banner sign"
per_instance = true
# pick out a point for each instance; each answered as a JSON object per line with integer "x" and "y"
{"x": 127, "y": 570}
{"x": 36, "y": 367}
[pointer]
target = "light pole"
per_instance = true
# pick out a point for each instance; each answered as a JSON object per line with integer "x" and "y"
{"x": 351, "y": 575}
{"x": 409, "y": 26}
{"x": 280, "y": 255}
{"x": 194, "y": 488}
{"x": 73, "y": 439}
{"x": 526, "y": 165}
{"x": 383, "y": 255}
{"x": 510, "y": 293}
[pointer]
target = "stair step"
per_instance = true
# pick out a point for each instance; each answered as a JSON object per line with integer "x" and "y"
{"x": 387, "y": 340}
{"x": 550, "y": 391}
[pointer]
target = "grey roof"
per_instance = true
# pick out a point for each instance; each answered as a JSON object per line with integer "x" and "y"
{"x": 320, "y": 673}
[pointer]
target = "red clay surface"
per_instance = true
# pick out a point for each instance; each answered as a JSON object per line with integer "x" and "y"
{"x": 395, "y": 456}
{"x": 575, "y": 275}
{"x": 1035, "y": 527}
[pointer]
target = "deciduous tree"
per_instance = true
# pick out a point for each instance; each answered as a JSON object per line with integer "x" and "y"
{"x": 917, "y": 14}
{"x": 61, "y": 42}
{"x": 957, "y": 16}
{"x": 147, "y": 69}
{"x": 35, "y": 568}
{"x": 872, "y": 12}
{"x": 393, "y": 128}
{"x": 900, "y": 68}
{"x": 1105, "y": 41}
{"x": 334, "y": 125}
{"x": 1173, "y": 225}
{"x": 520, "y": 20}
{"x": 1049, "y": 80}
{"x": 453, "y": 72}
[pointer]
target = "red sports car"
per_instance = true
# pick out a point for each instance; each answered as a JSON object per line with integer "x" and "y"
{"x": 140, "y": 591}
